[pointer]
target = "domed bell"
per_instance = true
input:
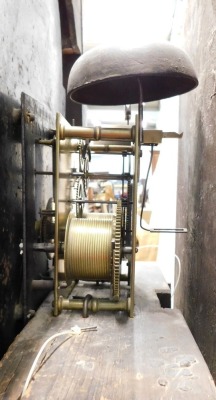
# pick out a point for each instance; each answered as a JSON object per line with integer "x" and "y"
{"x": 116, "y": 76}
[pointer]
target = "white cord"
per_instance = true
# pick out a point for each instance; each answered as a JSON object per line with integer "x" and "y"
{"x": 176, "y": 257}
{"x": 74, "y": 331}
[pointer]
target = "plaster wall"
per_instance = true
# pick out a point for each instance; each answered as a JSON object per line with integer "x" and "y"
{"x": 30, "y": 60}
{"x": 196, "y": 198}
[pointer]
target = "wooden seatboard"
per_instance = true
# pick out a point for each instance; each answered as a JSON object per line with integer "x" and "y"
{"x": 152, "y": 356}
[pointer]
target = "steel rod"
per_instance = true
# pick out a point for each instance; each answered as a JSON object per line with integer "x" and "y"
{"x": 44, "y": 173}
{"x": 89, "y": 175}
{"x": 56, "y": 217}
{"x": 105, "y": 176}
{"x": 44, "y": 247}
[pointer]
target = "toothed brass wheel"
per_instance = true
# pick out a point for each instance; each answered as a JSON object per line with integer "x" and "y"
{"x": 117, "y": 253}
{"x": 80, "y": 195}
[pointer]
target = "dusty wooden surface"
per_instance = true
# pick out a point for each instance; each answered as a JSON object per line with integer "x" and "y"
{"x": 152, "y": 356}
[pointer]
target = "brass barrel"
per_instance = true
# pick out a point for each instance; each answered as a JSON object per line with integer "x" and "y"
{"x": 88, "y": 249}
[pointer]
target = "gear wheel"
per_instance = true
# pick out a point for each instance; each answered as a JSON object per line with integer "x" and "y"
{"x": 81, "y": 159}
{"x": 117, "y": 253}
{"x": 84, "y": 159}
{"x": 80, "y": 195}
{"x": 48, "y": 226}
